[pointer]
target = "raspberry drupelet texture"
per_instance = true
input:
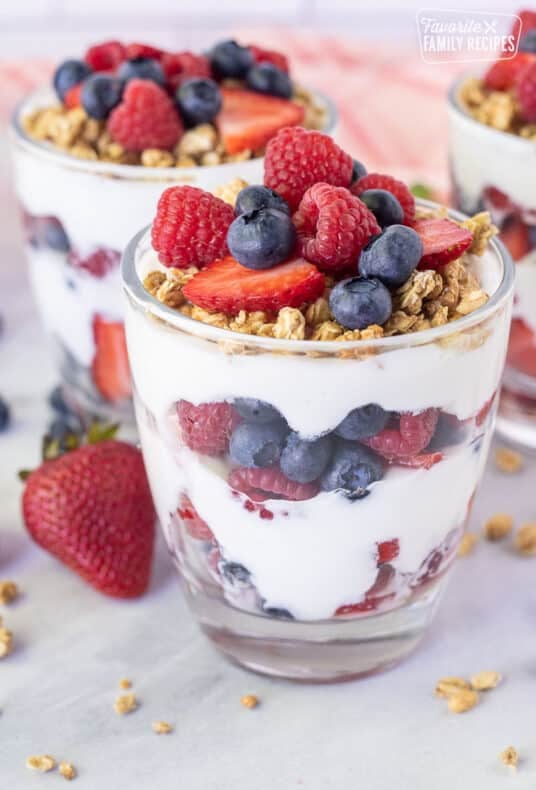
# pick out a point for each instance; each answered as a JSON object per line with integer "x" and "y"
{"x": 207, "y": 428}
{"x": 392, "y": 185}
{"x": 296, "y": 159}
{"x": 270, "y": 483}
{"x": 333, "y": 226}
{"x": 412, "y": 436}
{"x": 190, "y": 227}
{"x": 145, "y": 118}
{"x": 106, "y": 56}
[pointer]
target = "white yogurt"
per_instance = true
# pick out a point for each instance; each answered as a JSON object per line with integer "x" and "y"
{"x": 525, "y": 305}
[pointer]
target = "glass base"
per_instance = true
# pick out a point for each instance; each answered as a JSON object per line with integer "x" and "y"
{"x": 327, "y": 651}
{"x": 516, "y": 419}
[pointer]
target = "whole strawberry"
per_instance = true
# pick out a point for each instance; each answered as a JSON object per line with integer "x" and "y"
{"x": 92, "y": 509}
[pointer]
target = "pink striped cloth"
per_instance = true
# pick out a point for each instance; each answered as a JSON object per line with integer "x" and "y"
{"x": 391, "y": 105}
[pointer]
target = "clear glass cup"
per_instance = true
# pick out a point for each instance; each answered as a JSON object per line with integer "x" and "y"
{"x": 496, "y": 171}
{"x": 78, "y": 216}
{"x": 285, "y": 578}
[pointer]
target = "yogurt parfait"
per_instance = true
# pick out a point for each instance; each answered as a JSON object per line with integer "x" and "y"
{"x": 315, "y": 364}
{"x": 492, "y": 122}
{"x": 92, "y": 154}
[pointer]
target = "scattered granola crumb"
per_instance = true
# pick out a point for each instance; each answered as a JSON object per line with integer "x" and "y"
{"x": 525, "y": 540}
{"x": 67, "y": 770}
{"x": 510, "y": 757}
{"x": 483, "y": 681}
{"x": 125, "y": 703}
{"x": 249, "y": 701}
{"x": 462, "y": 701}
{"x": 229, "y": 192}
{"x": 498, "y": 526}
{"x": 507, "y": 460}
{"x": 467, "y": 544}
{"x": 125, "y": 683}
{"x": 41, "y": 762}
{"x": 447, "y": 687}
{"x": 162, "y": 727}
{"x": 8, "y": 592}
{"x": 6, "y": 641}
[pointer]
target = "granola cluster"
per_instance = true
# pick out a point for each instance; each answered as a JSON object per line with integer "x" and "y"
{"x": 74, "y": 132}
{"x": 462, "y": 695}
{"x": 428, "y": 299}
{"x": 498, "y": 109}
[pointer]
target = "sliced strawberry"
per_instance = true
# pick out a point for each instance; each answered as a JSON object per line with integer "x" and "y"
{"x": 72, "y": 97}
{"x": 247, "y": 120}
{"x": 502, "y": 74}
{"x": 443, "y": 241}
{"x": 110, "y": 368}
{"x": 515, "y": 236}
{"x": 195, "y": 526}
{"x": 227, "y": 286}
{"x": 388, "y": 550}
{"x": 522, "y": 347}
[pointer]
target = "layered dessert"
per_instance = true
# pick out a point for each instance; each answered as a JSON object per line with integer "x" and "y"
{"x": 492, "y": 145}
{"x": 315, "y": 362}
{"x": 94, "y": 152}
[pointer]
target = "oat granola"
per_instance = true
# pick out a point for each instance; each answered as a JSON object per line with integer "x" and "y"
{"x": 67, "y": 770}
{"x": 125, "y": 703}
{"x": 249, "y": 701}
{"x": 41, "y": 762}
{"x": 498, "y": 109}
{"x": 498, "y": 526}
{"x": 525, "y": 540}
{"x": 8, "y": 592}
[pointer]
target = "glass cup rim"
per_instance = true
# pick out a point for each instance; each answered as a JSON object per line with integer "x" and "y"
{"x": 127, "y": 172}
{"x": 136, "y": 292}
{"x": 458, "y": 110}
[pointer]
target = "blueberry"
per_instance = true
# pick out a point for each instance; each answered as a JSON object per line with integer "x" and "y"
{"x": 229, "y": 59}
{"x": 261, "y": 238}
{"x": 449, "y": 432}
{"x": 234, "y": 572}
{"x": 528, "y": 41}
{"x": 100, "y": 94}
{"x": 304, "y": 461}
{"x": 358, "y": 170}
{"x": 254, "y": 410}
{"x": 276, "y": 611}
{"x": 267, "y": 78}
{"x": 363, "y": 422}
{"x": 256, "y": 197}
{"x": 54, "y": 235}
{"x": 384, "y": 206}
{"x": 5, "y": 415}
{"x": 392, "y": 256}
{"x": 198, "y": 100}
{"x": 356, "y": 303}
{"x": 57, "y": 401}
{"x": 258, "y": 444}
{"x": 353, "y": 468}
{"x": 68, "y": 74}
{"x": 142, "y": 69}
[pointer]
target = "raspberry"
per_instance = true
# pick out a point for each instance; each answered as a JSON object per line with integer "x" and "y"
{"x": 98, "y": 263}
{"x": 296, "y": 159}
{"x": 526, "y": 92}
{"x": 270, "y": 483}
{"x": 135, "y": 50}
{"x": 145, "y": 118}
{"x": 414, "y": 433}
{"x": 194, "y": 524}
{"x": 502, "y": 75}
{"x": 180, "y": 66}
{"x": 106, "y": 56}
{"x": 333, "y": 227}
{"x": 392, "y": 185}
{"x": 207, "y": 428}
{"x": 388, "y": 550}
{"x": 190, "y": 227}
{"x": 261, "y": 55}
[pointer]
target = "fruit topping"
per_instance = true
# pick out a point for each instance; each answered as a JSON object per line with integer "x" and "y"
{"x": 442, "y": 240}
{"x": 106, "y": 56}
{"x": 190, "y": 227}
{"x": 333, "y": 227}
{"x": 304, "y": 461}
{"x": 142, "y": 68}
{"x": 227, "y": 286}
{"x": 199, "y": 100}
{"x": 194, "y": 524}
{"x": 384, "y": 206}
{"x": 414, "y": 433}
{"x": 363, "y": 422}
{"x": 207, "y": 428}
{"x": 358, "y": 302}
{"x": 135, "y": 50}
{"x": 99, "y": 94}
{"x": 181, "y": 66}
{"x": 297, "y": 159}
{"x": 229, "y": 59}
{"x": 527, "y": 43}
{"x": 352, "y": 469}
{"x": 68, "y": 74}
{"x": 502, "y": 75}
{"x": 261, "y": 238}
{"x": 110, "y": 368}
{"x": 358, "y": 171}
{"x": 392, "y": 256}
{"x": 255, "y": 444}
{"x": 145, "y": 118}
{"x": 254, "y": 410}
{"x": 267, "y": 78}
{"x": 255, "y": 197}
{"x": 394, "y": 186}
{"x": 261, "y": 55}
{"x": 261, "y": 484}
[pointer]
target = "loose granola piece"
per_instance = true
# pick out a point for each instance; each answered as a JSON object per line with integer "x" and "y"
{"x": 8, "y": 592}
{"x": 315, "y": 110}
{"x": 210, "y": 159}
{"x": 290, "y": 324}
{"x": 213, "y": 319}
{"x": 229, "y": 192}
{"x": 162, "y": 727}
{"x": 483, "y": 229}
{"x": 525, "y": 540}
{"x": 471, "y": 300}
{"x": 195, "y": 142}
{"x": 318, "y": 312}
{"x": 41, "y": 762}
{"x": 67, "y": 770}
{"x": 125, "y": 683}
{"x": 249, "y": 701}
{"x": 507, "y": 460}
{"x": 420, "y": 286}
{"x": 498, "y": 526}
{"x": 125, "y": 703}
{"x": 483, "y": 681}
{"x": 528, "y": 131}
{"x": 447, "y": 687}
{"x": 510, "y": 757}
{"x": 186, "y": 161}
{"x": 6, "y": 641}
{"x": 83, "y": 151}
{"x": 472, "y": 92}
{"x": 170, "y": 293}
{"x": 249, "y": 323}
{"x": 498, "y": 110}
{"x": 156, "y": 157}
{"x": 462, "y": 701}
{"x": 328, "y": 330}
{"x": 153, "y": 281}
{"x": 467, "y": 544}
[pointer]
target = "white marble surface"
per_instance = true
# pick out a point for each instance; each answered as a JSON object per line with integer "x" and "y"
{"x": 387, "y": 732}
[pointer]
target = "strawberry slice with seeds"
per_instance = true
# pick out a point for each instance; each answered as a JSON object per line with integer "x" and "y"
{"x": 227, "y": 286}
{"x": 442, "y": 240}
{"x": 247, "y": 120}
{"x": 110, "y": 368}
